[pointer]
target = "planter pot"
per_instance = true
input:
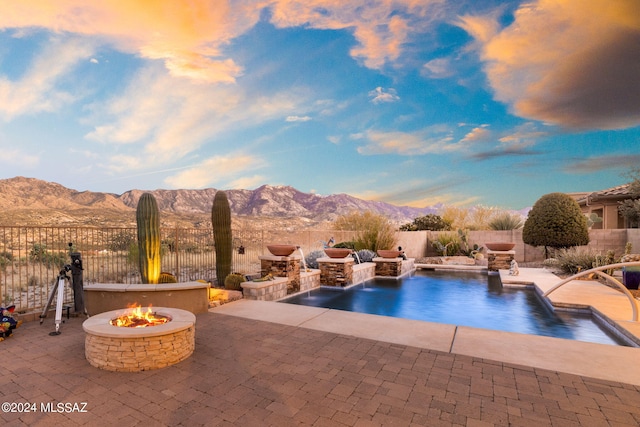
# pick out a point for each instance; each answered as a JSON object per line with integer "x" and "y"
{"x": 631, "y": 277}
{"x": 281, "y": 250}
{"x": 337, "y": 252}
{"x": 388, "y": 253}
{"x": 500, "y": 246}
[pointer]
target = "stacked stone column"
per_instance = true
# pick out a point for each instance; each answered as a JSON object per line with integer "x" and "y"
{"x": 336, "y": 271}
{"x": 499, "y": 260}
{"x": 282, "y": 266}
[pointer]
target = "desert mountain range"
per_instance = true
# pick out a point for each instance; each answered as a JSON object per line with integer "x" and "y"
{"x": 31, "y": 201}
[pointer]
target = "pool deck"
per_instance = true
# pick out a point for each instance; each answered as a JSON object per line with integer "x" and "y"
{"x": 601, "y": 361}
{"x": 272, "y": 364}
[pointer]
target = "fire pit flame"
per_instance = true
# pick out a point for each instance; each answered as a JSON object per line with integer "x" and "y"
{"x": 137, "y": 318}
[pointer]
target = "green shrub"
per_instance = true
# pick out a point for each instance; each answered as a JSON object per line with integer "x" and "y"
{"x": 555, "y": 221}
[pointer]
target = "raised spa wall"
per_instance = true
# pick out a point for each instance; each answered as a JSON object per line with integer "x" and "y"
{"x": 333, "y": 272}
{"x": 190, "y": 296}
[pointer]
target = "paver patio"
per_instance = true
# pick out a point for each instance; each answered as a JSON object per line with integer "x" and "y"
{"x": 247, "y": 372}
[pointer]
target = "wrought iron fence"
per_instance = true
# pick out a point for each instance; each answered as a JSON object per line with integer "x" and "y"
{"x": 31, "y": 257}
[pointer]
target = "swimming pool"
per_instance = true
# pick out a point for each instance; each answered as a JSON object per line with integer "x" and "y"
{"x": 463, "y": 299}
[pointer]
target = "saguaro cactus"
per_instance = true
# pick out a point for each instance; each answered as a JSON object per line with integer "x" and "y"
{"x": 148, "y": 219}
{"x": 221, "y": 221}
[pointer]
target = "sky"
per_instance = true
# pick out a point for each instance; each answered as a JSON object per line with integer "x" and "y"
{"x": 410, "y": 102}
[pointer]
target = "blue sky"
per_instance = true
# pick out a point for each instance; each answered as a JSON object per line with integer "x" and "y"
{"x": 412, "y": 102}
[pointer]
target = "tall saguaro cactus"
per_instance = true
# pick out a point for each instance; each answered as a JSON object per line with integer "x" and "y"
{"x": 148, "y": 219}
{"x": 221, "y": 221}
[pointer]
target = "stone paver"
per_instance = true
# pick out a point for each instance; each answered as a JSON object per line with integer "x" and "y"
{"x": 251, "y": 373}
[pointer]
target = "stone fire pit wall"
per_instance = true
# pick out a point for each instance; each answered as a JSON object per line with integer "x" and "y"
{"x": 114, "y": 348}
{"x": 282, "y": 266}
{"x": 499, "y": 260}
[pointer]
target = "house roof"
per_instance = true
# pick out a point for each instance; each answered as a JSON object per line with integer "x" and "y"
{"x": 620, "y": 192}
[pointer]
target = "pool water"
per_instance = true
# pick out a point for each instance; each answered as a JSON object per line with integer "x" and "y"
{"x": 463, "y": 299}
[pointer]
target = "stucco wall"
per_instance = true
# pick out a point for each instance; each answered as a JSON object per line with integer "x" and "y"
{"x": 418, "y": 244}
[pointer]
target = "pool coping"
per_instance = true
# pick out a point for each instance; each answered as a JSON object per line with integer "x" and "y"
{"x": 601, "y": 361}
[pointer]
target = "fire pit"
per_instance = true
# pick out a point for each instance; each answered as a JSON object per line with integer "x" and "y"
{"x": 136, "y": 339}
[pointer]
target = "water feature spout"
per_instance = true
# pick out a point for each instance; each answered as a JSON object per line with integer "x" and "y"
{"x": 304, "y": 262}
{"x": 356, "y": 256}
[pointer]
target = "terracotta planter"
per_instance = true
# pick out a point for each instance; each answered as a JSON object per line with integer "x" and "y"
{"x": 388, "y": 253}
{"x": 337, "y": 252}
{"x": 281, "y": 250}
{"x": 500, "y": 246}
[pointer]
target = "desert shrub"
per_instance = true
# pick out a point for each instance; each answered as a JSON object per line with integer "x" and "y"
{"x": 472, "y": 218}
{"x": 555, "y": 221}
{"x": 39, "y": 253}
{"x": 6, "y": 259}
{"x": 121, "y": 241}
{"x": 373, "y": 231}
{"x": 431, "y": 222}
{"x": 447, "y": 244}
{"x": 506, "y": 221}
{"x": 574, "y": 260}
{"x": 365, "y": 255}
{"x": 312, "y": 258}
{"x": 233, "y": 281}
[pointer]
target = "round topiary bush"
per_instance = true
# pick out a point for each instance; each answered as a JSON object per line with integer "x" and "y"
{"x": 555, "y": 221}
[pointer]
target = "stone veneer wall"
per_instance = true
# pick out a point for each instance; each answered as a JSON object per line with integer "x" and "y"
{"x": 336, "y": 271}
{"x": 499, "y": 260}
{"x": 280, "y": 266}
{"x": 363, "y": 272}
{"x": 408, "y": 265}
{"x": 140, "y": 353}
{"x": 388, "y": 267}
{"x": 310, "y": 280}
{"x": 269, "y": 290}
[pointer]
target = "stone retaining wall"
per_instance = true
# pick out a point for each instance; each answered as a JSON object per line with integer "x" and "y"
{"x": 269, "y": 290}
{"x": 363, "y": 272}
{"x": 310, "y": 280}
{"x": 190, "y": 296}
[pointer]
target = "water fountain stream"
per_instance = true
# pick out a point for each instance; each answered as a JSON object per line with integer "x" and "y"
{"x": 304, "y": 262}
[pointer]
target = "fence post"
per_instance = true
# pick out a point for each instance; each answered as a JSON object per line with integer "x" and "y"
{"x": 175, "y": 248}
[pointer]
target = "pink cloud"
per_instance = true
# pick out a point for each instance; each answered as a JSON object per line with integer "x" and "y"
{"x": 567, "y": 62}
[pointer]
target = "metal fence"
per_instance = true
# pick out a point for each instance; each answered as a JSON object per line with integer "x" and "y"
{"x": 31, "y": 257}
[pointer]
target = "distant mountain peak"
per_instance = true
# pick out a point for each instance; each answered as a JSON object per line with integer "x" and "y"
{"x": 279, "y": 201}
